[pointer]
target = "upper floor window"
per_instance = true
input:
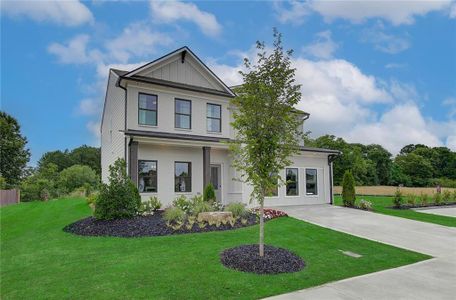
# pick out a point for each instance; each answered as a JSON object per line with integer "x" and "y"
{"x": 183, "y": 114}
{"x": 182, "y": 176}
{"x": 214, "y": 117}
{"x": 147, "y": 179}
{"x": 311, "y": 182}
{"x": 147, "y": 113}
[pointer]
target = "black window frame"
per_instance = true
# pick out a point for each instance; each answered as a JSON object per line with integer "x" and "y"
{"x": 156, "y": 176}
{"x": 182, "y": 114}
{"x": 287, "y": 183}
{"x": 176, "y": 177}
{"x": 212, "y": 118}
{"x": 316, "y": 182}
{"x": 155, "y": 110}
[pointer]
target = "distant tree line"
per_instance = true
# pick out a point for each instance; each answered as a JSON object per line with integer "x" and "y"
{"x": 416, "y": 164}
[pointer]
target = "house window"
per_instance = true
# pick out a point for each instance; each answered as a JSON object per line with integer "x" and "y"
{"x": 183, "y": 114}
{"x": 147, "y": 113}
{"x": 292, "y": 186}
{"x": 311, "y": 182}
{"x": 147, "y": 177}
{"x": 214, "y": 117}
{"x": 182, "y": 177}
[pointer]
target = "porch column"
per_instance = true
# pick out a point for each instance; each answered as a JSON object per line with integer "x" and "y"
{"x": 133, "y": 161}
{"x": 206, "y": 166}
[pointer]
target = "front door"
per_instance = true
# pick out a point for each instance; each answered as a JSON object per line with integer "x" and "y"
{"x": 216, "y": 180}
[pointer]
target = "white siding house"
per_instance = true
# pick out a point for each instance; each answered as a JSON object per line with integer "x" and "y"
{"x": 170, "y": 119}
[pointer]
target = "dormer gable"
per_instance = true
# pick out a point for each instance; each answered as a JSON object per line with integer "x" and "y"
{"x": 181, "y": 66}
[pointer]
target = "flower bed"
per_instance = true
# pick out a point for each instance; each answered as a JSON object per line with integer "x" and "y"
{"x": 270, "y": 213}
{"x": 246, "y": 258}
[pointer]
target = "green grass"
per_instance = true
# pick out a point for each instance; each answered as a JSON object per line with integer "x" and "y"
{"x": 39, "y": 260}
{"x": 383, "y": 204}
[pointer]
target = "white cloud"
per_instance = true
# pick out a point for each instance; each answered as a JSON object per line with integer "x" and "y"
{"x": 174, "y": 11}
{"x": 68, "y": 12}
{"x": 453, "y": 11}
{"x": 384, "y": 42}
{"x": 343, "y": 100}
{"x": 89, "y": 107}
{"x": 324, "y": 47}
{"x": 295, "y": 13}
{"x": 94, "y": 128}
{"x": 395, "y": 66}
{"x": 75, "y": 51}
{"x": 395, "y": 12}
{"x": 450, "y": 103}
{"x": 136, "y": 40}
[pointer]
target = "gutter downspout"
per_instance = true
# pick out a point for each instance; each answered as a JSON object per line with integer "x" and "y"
{"x": 331, "y": 158}
{"x": 125, "y": 119}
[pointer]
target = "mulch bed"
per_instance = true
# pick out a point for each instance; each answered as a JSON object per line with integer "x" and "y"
{"x": 152, "y": 225}
{"x": 246, "y": 258}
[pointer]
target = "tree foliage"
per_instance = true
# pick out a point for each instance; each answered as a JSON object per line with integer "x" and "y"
{"x": 83, "y": 155}
{"x": 415, "y": 165}
{"x": 14, "y": 155}
{"x": 78, "y": 176}
{"x": 348, "y": 189}
{"x": 265, "y": 121}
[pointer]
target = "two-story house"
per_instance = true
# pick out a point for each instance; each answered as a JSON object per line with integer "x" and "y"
{"x": 170, "y": 119}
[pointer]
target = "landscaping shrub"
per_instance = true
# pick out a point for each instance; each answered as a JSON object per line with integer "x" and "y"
{"x": 437, "y": 198}
{"x": 446, "y": 196}
{"x": 348, "y": 189}
{"x": 364, "y": 204}
{"x": 201, "y": 207}
{"x": 120, "y": 198}
{"x": 174, "y": 215}
{"x": 34, "y": 188}
{"x": 183, "y": 203}
{"x": 398, "y": 200}
{"x": 150, "y": 206}
{"x": 237, "y": 209}
{"x": 454, "y": 195}
{"x": 411, "y": 199}
{"x": 209, "y": 193}
{"x": 424, "y": 199}
{"x": 77, "y": 176}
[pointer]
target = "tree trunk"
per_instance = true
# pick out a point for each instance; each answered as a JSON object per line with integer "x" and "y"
{"x": 261, "y": 229}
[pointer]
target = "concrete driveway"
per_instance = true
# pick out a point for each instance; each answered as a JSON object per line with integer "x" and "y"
{"x": 442, "y": 211}
{"x": 431, "y": 279}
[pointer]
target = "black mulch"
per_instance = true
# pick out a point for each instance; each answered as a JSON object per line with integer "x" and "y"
{"x": 246, "y": 258}
{"x": 152, "y": 225}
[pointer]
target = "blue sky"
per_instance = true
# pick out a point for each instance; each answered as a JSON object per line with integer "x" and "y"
{"x": 371, "y": 72}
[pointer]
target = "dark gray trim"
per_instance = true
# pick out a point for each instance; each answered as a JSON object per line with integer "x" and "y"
{"x": 331, "y": 158}
{"x": 133, "y": 161}
{"x": 220, "y": 119}
{"x": 174, "y": 136}
{"x": 189, "y": 173}
{"x": 156, "y": 167}
{"x": 177, "y": 85}
{"x": 176, "y": 113}
{"x": 206, "y": 166}
{"x": 322, "y": 150}
{"x": 156, "y": 108}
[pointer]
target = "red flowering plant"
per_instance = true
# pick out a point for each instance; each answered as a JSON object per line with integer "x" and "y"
{"x": 270, "y": 213}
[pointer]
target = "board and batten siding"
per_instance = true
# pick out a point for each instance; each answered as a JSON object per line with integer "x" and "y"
{"x": 112, "y": 139}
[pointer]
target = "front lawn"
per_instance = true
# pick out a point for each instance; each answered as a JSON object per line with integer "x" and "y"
{"x": 383, "y": 204}
{"x": 39, "y": 260}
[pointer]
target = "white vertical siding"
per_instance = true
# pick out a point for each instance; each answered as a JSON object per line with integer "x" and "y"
{"x": 112, "y": 140}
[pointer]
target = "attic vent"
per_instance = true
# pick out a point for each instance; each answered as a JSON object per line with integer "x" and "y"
{"x": 183, "y": 55}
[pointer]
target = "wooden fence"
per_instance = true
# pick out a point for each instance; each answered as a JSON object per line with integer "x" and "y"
{"x": 390, "y": 190}
{"x": 9, "y": 197}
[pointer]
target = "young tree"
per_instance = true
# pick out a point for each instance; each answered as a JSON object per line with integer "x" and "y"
{"x": 348, "y": 189}
{"x": 13, "y": 154}
{"x": 265, "y": 121}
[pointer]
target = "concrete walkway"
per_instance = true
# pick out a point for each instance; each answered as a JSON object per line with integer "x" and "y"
{"x": 431, "y": 279}
{"x": 443, "y": 211}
